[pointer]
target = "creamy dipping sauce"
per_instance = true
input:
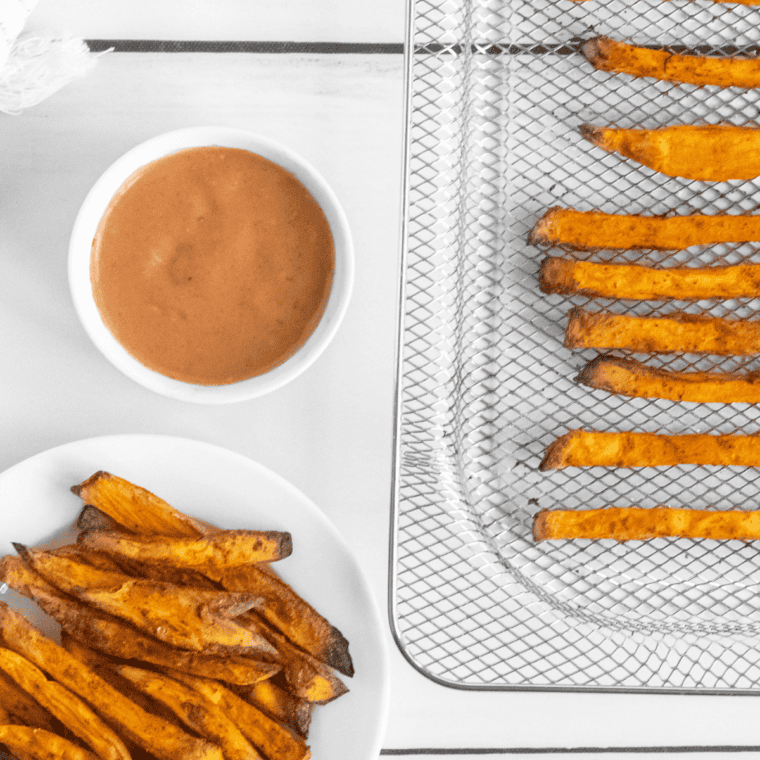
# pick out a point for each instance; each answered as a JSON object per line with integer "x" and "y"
{"x": 212, "y": 265}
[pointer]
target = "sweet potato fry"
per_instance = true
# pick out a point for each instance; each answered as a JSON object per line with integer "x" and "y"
{"x": 277, "y": 703}
{"x": 593, "y": 230}
{"x": 194, "y": 710}
{"x": 103, "y": 666}
{"x": 284, "y": 609}
{"x": 706, "y": 152}
{"x": 585, "y": 448}
{"x": 135, "y": 508}
{"x": 637, "y": 524}
{"x": 642, "y": 283}
{"x": 627, "y": 377}
{"x": 605, "y": 54}
{"x": 269, "y": 737}
{"x": 111, "y": 635}
{"x": 38, "y": 744}
{"x": 305, "y": 676}
{"x": 25, "y": 707}
{"x": 163, "y": 740}
{"x": 98, "y": 560}
{"x": 210, "y": 555}
{"x": 74, "y": 713}
{"x": 188, "y": 618}
{"x": 677, "y": 333}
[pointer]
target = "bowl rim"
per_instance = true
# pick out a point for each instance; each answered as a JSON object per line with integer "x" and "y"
{"x": 100, "y": 195}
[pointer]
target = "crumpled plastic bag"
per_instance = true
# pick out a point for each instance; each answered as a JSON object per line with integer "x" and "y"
{"x": 33, "y": 67}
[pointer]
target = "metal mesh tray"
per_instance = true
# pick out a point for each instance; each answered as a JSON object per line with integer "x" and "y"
{"x": 496, "y": 93}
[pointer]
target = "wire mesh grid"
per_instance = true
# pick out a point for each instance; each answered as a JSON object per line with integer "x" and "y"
{"x": 497, "y": 92}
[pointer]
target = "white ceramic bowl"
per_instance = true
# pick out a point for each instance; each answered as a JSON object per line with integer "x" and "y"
{"x": 95, "y": 205}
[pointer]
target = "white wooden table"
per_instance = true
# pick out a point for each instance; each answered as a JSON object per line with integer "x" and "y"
{"x": 330, "y": 431}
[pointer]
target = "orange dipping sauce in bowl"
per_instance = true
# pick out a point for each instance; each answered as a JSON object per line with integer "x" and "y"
{"x": 212, "y": 265}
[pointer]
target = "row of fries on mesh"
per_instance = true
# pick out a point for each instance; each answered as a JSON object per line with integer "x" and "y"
{"x": 709, "y": 153}
{"x": 178, "y": 641}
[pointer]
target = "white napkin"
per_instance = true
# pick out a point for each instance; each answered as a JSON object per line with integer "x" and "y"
{"x": 34, "y": 67}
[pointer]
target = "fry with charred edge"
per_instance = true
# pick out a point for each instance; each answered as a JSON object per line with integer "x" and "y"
{"x": 292, "y": 616}
{"x": 97, "y": 560}
{"x": 266, "y": 735}
{"x": 594, "y": 230}
{"x": 187, "y": 618}
{"x": 109, "y": 634}
{"x": 638, "y": 524}
{"x": 585, "y": 448}
{"x": 91, "y": 518}
{"x": 38, "y": 744}
{"x": 706, "y": 152}
{"x": 305, "y": 676}
{"x": 194, "y": 710}
{"x": 627, "y": 377}
{"x": 158, "y": 737}
{"x": 642, "y": 283}
{"x": 75, "y": 714}
{"x": 135, "y": 508}
{"x": 279, "y": 704}
{"x": 25, "y": 708}
{"x": 605, "y": 54}
{"x": 211, "y": 555}
{"x": 676, "y": 333}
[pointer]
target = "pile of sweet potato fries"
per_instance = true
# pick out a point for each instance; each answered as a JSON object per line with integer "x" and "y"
{"x": 179, "y": 641}
{"x": 706, "y": 153}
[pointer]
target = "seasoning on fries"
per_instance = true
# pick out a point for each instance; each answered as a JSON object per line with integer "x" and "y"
{"x": 594, "y": 230}
{"x": 585, "y": 448}
{"x": 628, "y": 377}
{"x": 642, "y": 283}
{"x": 677, "y": 333}
{"x": 605, "y": 54}
{"x": 706, "y": 152}
{"x": 638, "y": 524}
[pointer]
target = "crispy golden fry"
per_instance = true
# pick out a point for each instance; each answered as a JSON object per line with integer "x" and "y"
{"x": 25, "y": 707}
{"x": 109, "y": 634}
{"x": 163, "y": 740}
{"x": 706, "y": 152}
{"x": 291, "y": 615}
{"x": 135, "y": 508}
{"x": 188, "y": 618}
{"x": 642, "y": 283}
{"x": 627, "y": 377}
{"x": 75, "y": 714}
{"x": 211, "y": 555}
{"x": 584, "y": 448}
{"x": 305, "y": 676}
{"x": 194, "y": 710}
{"x": 265, "y": 734}
{"x": 676, "y": 333}
{"x": 98, "y": 560}
{"x": 593, "y": 230}
{"x": 637, "y": 524}
{"x": 605, "y": 54}
{"x": 103, "y": 665}
{"x": 38, "y": 744}
{"x": 163, "y": 572}
{"x": 279, "y": 704}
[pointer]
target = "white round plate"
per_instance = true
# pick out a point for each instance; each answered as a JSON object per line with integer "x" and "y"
{"x": 230, "y": 491}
